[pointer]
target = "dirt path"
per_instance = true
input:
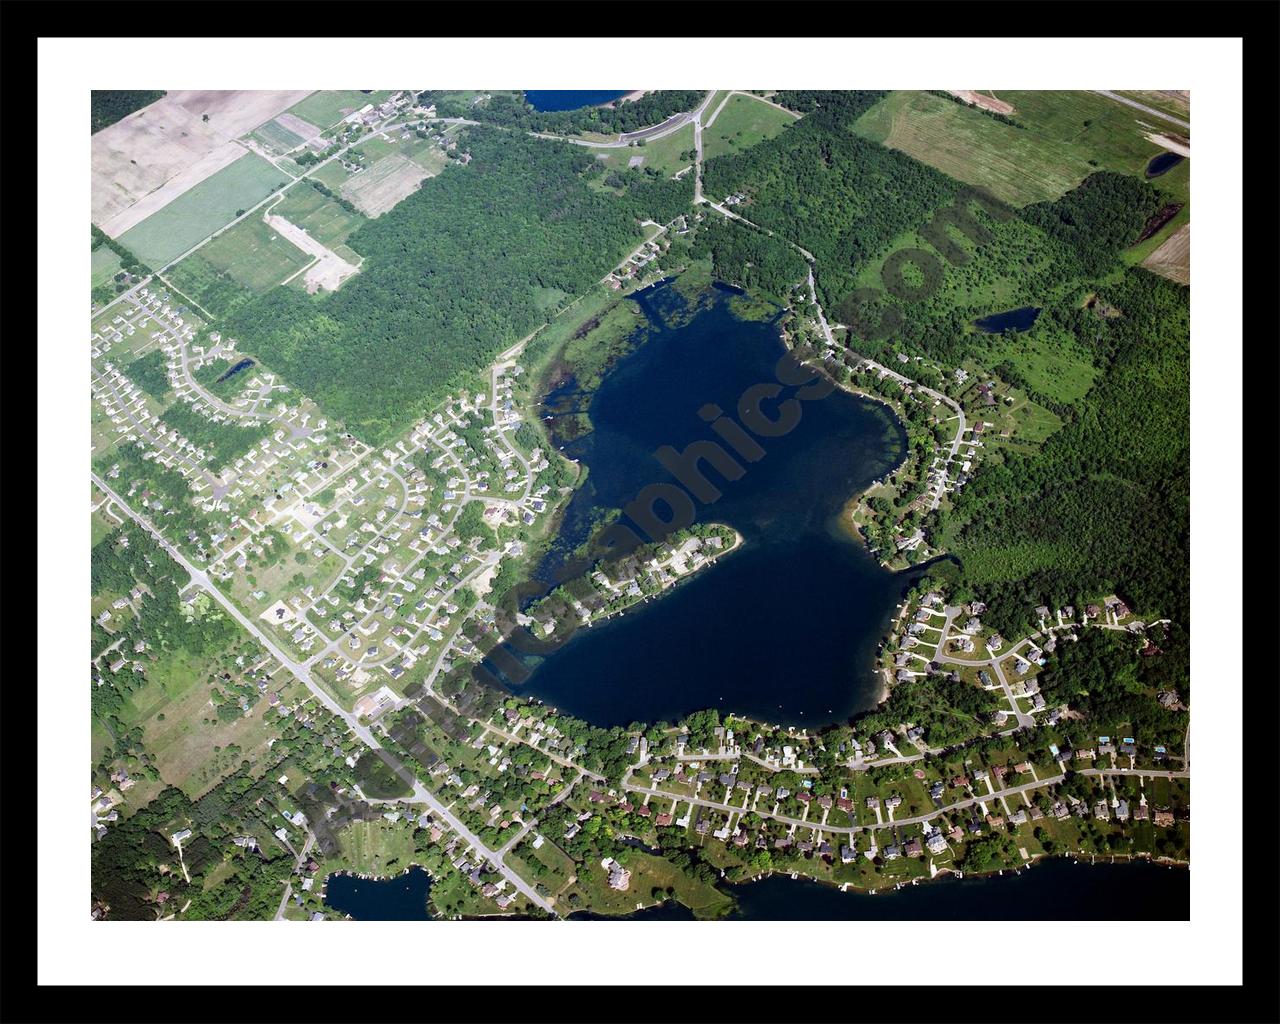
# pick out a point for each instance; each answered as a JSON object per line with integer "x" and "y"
{"x": 329, "y": 270}
{"x": 987, "y": 101}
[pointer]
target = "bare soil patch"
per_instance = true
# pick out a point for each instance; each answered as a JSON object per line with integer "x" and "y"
{"x": 987, "y": 100}
{"x": 1173, "y": 143}
{"x": 169, "y": 144}
{"x": 1173, "y": 258}
{"x": 389, "y": 180}
{"x": 1159, "y": 220}
{"x": 298, "y": 126}
{"x": 329, "y": 270}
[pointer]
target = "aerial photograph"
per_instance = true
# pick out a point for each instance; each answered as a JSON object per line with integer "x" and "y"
{"x": 681, "y": 505}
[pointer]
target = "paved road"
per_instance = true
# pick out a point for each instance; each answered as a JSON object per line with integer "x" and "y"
{"x": 1144, "y": 108}
{"x": 420, "y": 792}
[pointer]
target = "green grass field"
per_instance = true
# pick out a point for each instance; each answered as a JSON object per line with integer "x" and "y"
{"x": 742, "y": 123}
{"x": 1052, "y": 366}
{"x": 248, "y": 259}
{"x": 326, "y": 221}
{"x": 332, "y": 174}
{"x": 254, "y": 254}
{"x": 199, "y": 212}
{"x": 276, "y": 137}
{"x": 104, "y": 265}
{"x": 663, "y": 154}
{"x": 376, "y": 847}
{"x": 1064, "y": 132}
{"x": 330, "y": 106}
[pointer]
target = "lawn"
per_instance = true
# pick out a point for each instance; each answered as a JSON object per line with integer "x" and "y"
{"x": 664, "y": 154}
{"x": 742, "y": 123}
{"x": 199, "y": 212}
{"x": 332, "y": 174}
{"x": 1067, "y": 136}
{"x": 330, "y": 106}
{"x": 378, "y": 847}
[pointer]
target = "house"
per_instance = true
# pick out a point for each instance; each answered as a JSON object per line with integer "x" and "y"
{"x": 913, "y": 847}
{"x": 936, "y": 843}
{"x": 1018, "y": 817}
{"x": 619, "y": 877}
{"x": 1140, "y": 813}
{"x": 1122, "y": 810}
{"x": 847, "y": 854}
{"x": 892, "y": 853}
{"x": 662, "y": 820}
{"x": 873, "y": 802}
{"x": 1101, "y": 811}
{"x": 1162, "y": 819}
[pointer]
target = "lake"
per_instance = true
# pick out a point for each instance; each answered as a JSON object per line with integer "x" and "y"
{"x": 1055, "y": 890}
{"x": 1163, "y": 162}
{"x": 571, "y": 99}
{"x": 1011, "y": 320}
{"x": 786, "y": 627}
{"x": 402, "y": 898}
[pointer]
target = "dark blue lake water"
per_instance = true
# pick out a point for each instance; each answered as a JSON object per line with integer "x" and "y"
{"x": 1163, "y": 162}
{"x": 786, "y": 627}
{"x": 403, "y": 898}
{"x": 1056, "y": 890}
{"x": 1012, "y": 320}
{"x": 570, "y": 99}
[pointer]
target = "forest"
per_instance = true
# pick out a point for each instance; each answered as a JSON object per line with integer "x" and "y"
{"x": 749, "y": 259}
{"x": 449, "y": 280}
{"x": 837, "y": 195}
{"x": 107, "y": 106}
{"x": 1104, "y": 505}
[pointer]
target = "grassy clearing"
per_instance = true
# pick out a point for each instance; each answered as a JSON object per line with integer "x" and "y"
{"x": 325, "y": 220}
{"x": 198, "y": 213}
{"x": 742, "y": 123}
{"x": 1157, "y": 100}
{"x": 103, "y": 265}
{"x": 1052, "y": 366}
{"x": 376, "y": 847}
{"x": 1067, "y": 136}
{"x": 254, "y": 255}
{"x": 330, "y": 106}
{"x": 665, "y": 155}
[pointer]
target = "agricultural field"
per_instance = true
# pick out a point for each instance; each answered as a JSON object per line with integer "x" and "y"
{"x": 1173, "y": 258}
{"x": 385, "y": 183}
{"x": 253, "y": 254}
{"x": 1067, "y": 136}
{"x": 149, "y": 159}
{"x": 743, "y": 121}
{"x": 199, "y": 212}
{"x": 326, "y": 221}
{"x": 276, "y": 138}
{"x": 330, "y": 106}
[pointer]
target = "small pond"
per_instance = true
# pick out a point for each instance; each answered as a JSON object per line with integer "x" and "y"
{"x": 1010, "y": 320}
{"x": 1163, "y": 162}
